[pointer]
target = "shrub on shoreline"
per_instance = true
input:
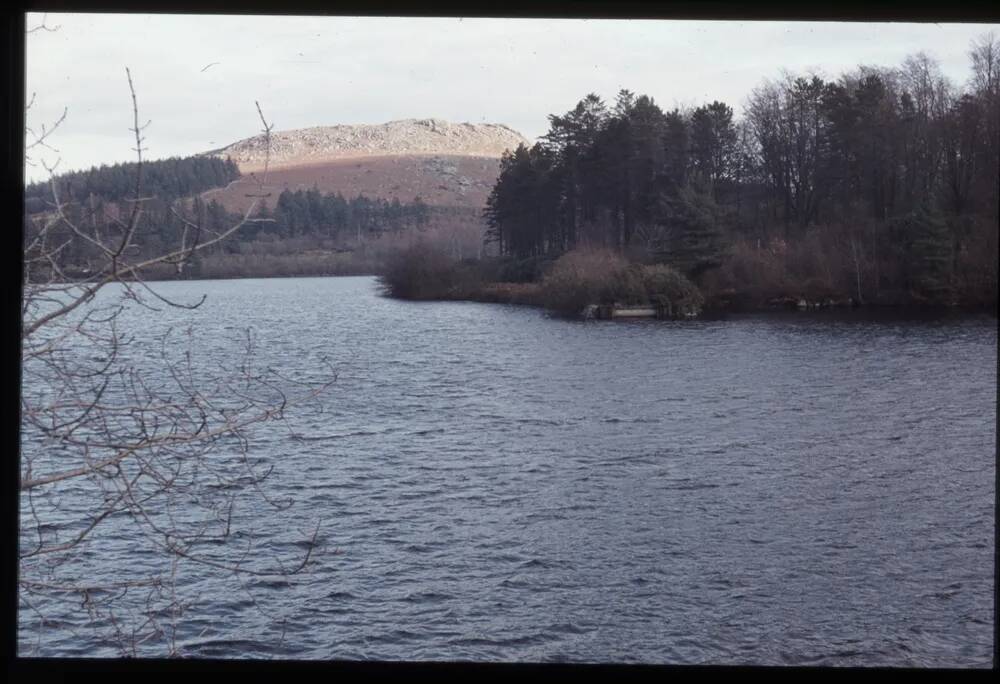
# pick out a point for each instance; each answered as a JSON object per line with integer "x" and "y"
{"x": 510, "y": 293}
{"x": 583, "y": 277}
{"x": 750, "y": 278}
{"x": 665, "y": 286}
{"x": 424, "y": 272}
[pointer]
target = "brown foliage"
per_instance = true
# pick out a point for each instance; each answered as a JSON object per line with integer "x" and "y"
{"x": 424, "y": 271}
{"x": 600, "y": 276}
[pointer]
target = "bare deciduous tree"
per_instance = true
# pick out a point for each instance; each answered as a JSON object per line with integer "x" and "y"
{"x": 124, "y": 444}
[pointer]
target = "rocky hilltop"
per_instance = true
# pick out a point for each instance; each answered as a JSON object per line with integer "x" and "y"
{"x": 407, "y": 137}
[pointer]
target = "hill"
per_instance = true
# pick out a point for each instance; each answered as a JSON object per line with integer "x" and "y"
{"x": 308, "y": 146}
{"x": 438, "y": 180}
{"x": 445, "y": 164}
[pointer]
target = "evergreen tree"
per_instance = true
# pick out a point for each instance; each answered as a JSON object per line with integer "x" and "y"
{"x": 929, "y": 251}
{"x": 691, "y": 238}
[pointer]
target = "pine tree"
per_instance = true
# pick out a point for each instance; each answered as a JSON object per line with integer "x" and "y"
{"x": 930, "y": 256}
{"x": 691, "y": 240}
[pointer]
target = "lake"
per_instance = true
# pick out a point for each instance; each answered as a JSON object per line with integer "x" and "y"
{"x": 495, "y": 484}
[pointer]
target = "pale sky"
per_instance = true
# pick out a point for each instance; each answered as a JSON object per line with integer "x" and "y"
{"x": 322, "y": 71}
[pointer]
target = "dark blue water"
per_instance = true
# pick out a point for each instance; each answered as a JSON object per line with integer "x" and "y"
{"x": 494, "y": 484}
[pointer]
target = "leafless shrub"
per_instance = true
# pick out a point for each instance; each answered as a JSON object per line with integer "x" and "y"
{"x": 425, "y": 271}
{"x": 601, "y": 276}
{"x": 120, "y": 441}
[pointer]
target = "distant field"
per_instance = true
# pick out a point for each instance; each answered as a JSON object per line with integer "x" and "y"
{"x": 440, "y": 180}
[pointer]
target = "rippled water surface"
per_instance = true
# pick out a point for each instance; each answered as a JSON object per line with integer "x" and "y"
{"x": 495, "y": 484}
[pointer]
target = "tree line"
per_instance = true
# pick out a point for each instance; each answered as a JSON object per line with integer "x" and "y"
{"x": 330, "y": 215}
{"x": 888, "y": 175}
{"x": 298, "y": 221}
{"x": 165, "y": 179}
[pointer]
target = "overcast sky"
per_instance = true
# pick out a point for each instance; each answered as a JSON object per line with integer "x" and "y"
{"x": 316, "y": 71}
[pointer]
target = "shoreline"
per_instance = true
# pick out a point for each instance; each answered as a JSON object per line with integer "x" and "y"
{"x": 501, "y": 294}
{"x": 716, "y": 312}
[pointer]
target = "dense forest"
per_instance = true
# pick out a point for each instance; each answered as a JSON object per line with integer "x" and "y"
{"x": 302, "y": 233}
{"x": 881, "y": 184}
{"x": 311, "y": 213}
{"x": 165, "y": 179}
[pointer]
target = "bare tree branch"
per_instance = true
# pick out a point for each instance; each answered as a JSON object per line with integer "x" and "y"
{"x": 119, "y": 440}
